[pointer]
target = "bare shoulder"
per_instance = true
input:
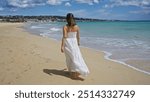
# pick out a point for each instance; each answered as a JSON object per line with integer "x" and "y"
{"x": 76, "y": 27}
{"x": 64, "y": 27}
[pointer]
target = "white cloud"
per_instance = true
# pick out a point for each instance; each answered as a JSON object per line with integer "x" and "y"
{"x": 139, "y": 3}
{"x": 67, "y": 4}
{"x": 56, "y": 2}
{"x": 143, "y": 4}
{"x": 25, "y": 3}
{"x": 96, "y": 1}
{"x": 32, "y": 3}
{"x": 143, "y": 11}
{"x": 90, "y": 2}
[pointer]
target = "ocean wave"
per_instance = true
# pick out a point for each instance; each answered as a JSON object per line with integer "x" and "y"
{"x": 55, "y": 29}
{"x": 117, "y": 43}
{"x": 36, "y": 27}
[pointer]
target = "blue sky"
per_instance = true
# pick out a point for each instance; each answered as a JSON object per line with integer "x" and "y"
{"x": 101, "y": 9}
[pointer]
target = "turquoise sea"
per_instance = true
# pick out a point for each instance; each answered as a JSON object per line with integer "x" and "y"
{"x": 123, "y": 42}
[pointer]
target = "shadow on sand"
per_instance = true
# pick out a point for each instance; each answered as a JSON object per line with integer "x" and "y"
{"x": 61, "y": 73}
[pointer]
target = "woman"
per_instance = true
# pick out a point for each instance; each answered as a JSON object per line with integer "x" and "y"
{"x": 70, "y": 46}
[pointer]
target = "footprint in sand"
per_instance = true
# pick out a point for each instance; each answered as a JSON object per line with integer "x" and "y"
{"x": 10, "y": 51}
{"x": 9, "y": 83}
{"x": 35, "y": 53}
{"x": 7, "y": 69}
{"x": 17, "y": 77}
{"x": 25, "y": 54}
{"x": 2, "y": 80}
{"x": 47, "y": 60}
{"x": 24, "y": 71}
{"x": 12, "y": 60}
{"x": 27, "y": 69}
{"x": 32, "y": 52}
{"x": 29, "y": 66}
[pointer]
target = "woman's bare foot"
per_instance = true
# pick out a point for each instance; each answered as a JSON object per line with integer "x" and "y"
{"x": 75, "y": 76}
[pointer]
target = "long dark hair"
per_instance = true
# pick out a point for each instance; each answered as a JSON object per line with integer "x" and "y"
{"x": 70, "y": 19}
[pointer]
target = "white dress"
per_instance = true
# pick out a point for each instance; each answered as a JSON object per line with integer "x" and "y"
{"x": 74, "y": 60}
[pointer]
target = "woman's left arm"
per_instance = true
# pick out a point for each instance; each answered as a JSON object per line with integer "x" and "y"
{"x": 63, "y": 39}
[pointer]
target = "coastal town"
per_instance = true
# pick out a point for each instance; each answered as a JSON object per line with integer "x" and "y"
{"x": 20, "y": 18}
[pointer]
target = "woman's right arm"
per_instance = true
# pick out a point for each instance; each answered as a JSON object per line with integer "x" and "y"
{"x": 78, "y": 35}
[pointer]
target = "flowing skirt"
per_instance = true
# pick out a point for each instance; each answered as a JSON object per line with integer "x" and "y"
{"x": 74, "y": 59}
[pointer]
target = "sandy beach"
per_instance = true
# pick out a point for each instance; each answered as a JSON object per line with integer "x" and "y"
{"x": 27, "y": 59}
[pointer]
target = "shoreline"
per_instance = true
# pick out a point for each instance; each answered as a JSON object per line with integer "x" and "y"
{"x": 124, "y": 63}
{"x": 143, "y": 66}
{"x": 37, "y": 56}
